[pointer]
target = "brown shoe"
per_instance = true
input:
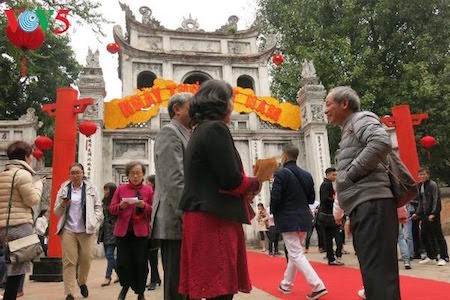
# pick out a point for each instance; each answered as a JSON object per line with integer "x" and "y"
{"x": 106, "y": 282}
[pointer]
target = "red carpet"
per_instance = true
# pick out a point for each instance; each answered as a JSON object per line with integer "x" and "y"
{"x": 342, "y": 283}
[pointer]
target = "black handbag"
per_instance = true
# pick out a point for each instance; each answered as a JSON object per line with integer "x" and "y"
{"x": 326, "y": 219}
{"x": 23, "y": 249}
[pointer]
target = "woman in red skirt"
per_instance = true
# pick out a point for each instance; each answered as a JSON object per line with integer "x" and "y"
{"x": 215, "y": 201}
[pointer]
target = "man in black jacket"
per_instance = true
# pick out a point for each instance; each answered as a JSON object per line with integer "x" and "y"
{"x": 429, "y": 211}
{"x": 326, "y": 218}
{"x": 292, "y": 191}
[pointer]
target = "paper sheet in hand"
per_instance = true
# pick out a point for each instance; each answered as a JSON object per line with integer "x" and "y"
{"x": 132, "y": 200}
{"x": 264, "y": 168}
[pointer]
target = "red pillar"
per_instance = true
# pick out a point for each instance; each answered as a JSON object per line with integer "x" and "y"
{"x": 65, "y": 111}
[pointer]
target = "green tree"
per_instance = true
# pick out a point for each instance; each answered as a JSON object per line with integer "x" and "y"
{"x": 390, "y": 51}
{"x": 49, "y": 67}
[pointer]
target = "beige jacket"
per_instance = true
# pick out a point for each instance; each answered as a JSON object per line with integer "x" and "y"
{"x": 25, "y": 193}
{"x": 94, "y": 209}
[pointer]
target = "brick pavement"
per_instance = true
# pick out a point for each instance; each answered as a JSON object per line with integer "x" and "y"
{"x": 55, "y": 291}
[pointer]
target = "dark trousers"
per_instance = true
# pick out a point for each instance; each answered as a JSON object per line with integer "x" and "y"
{"x": 224, "y": 297}
{"x": 170, "y": 254}
{"x": 417, "y": 241}
{"x": 153, "y": 248}
{"x": 375, "y": 231}
{"x": 330, "y": 233}
{"x": 274, "y": 237}
{"x": 12, "y": 286}
{"x": 319, "y": 236}
{"x": 433, "y": 238}
{"x": 131, "y": 263}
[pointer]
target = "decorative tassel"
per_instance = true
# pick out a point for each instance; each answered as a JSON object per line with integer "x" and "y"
{"x": 23, "y": 70}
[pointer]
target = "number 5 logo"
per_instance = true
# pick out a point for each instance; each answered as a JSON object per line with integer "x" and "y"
{"x": 62, "y": 17}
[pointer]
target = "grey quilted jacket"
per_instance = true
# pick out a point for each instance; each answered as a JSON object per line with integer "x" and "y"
{"x": 363, "y": 148}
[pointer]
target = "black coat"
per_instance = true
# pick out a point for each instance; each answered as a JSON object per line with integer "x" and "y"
{"x": 289, "y": 199}
{"x": 106, "y": 230}
{"x": 212, "y": 166}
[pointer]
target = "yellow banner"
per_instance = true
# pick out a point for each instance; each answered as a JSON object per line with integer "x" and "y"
{"x": 145, "y": 104}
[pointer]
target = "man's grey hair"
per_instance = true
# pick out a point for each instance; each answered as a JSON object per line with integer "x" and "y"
{"x": 291, "y": 151}
{"x": 179, "y": 99}
{"x": 341, "y": 93}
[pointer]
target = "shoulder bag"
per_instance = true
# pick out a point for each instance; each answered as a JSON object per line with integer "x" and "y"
{"x": 23, "y": 249}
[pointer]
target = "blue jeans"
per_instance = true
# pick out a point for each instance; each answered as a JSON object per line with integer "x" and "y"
{"x": 404, "y": 250}
{"x": 109, "y": 254}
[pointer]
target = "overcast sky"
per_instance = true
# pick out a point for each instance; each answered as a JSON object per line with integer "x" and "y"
{"x": 210, "y": 14}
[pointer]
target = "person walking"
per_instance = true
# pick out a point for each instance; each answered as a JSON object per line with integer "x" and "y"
{"x": 263, "y": 224}
{"x": 132, "y": 204}
{"x": 429, "y": 211}
{"x": 170, "y": 145}
{"x": 364, "y": 192}
{"x": 327, "y": 222}
{"x": 215, "y": 201}
{"x": 20, "y": 193}
{"x": 292, "y": 192}
{"x": 80, "y": 208}
{"x": 106, "y": 233}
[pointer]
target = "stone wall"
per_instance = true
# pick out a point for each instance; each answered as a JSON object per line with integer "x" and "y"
{"x": 445, "y": 213}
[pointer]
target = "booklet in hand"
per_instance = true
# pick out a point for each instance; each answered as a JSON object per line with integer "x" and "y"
{"x": 264, "y": 168}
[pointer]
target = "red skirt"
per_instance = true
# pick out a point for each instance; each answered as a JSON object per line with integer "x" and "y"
{"x": 213, "y": 257}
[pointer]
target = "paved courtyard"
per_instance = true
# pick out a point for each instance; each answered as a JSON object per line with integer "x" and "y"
{"x": 55, "y": 291}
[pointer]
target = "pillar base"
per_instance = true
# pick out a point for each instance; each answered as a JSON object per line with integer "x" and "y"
{"x": 48, "y": 269}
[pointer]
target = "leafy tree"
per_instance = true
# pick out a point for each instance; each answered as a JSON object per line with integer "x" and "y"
{"x": 390, "y": 51}
{"x": 52, "y": 66}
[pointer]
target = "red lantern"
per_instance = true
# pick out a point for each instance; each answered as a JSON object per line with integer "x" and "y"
{"x": 87, "y": 128}
{"x": 43, "y": 142}
{"x": 26, "y": 40}
{"x": 428, "y": 141}
{"x": 37, "y": 154}
{"x": 277, "y": 59}
{"x": 113, "y": 48}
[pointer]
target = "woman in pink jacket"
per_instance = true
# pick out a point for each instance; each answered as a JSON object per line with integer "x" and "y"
{"x": 132, "y": 204}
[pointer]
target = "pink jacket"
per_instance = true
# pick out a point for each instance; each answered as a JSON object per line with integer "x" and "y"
{"x": 139, "y": 219}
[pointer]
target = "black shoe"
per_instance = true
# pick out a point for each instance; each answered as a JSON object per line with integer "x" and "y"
{"x": 123, "y": 293}
{"x": 141, "y": 296}
{"x": 70, "y": 297}
{"x": 316, "y": 295}
{"x": 152, "y": 285}
{"x": 335, "y": 263}
{"x": 84, "y": 290}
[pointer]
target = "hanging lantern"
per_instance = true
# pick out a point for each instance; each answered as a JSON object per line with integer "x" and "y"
{"x": 113, "y": 48}
{"x": 428, "y": 141}
{"x": 25, "y": 40}
{"x": 38, "y": 154}
{"x": 87, "y": 128}
{"x": 277, "y": 59}
{"x": 43, "y": 142}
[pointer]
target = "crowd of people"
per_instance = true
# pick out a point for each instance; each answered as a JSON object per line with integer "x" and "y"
{"x": 193, "y": 209}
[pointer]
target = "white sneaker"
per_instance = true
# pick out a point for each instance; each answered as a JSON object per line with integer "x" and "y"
{"x": 441, "y": 262}
{"x": 425, "y": 260}
{"x": 361, "y": 293}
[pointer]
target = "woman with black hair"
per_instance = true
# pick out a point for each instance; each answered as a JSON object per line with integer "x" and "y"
{"x": 80, "y": 209}
{"x": 106, "y": 233}
{"x": 215, "y": 201}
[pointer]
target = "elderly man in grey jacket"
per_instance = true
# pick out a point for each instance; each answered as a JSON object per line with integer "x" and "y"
{"x": 169, "y": 183}
{"x": 363, "y": 191}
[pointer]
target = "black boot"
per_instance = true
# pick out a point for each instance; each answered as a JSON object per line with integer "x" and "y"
{"x": 123, "y": 293}
{"x": 141, "y": 296}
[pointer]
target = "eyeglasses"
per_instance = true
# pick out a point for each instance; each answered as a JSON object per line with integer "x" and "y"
{"x": 76, "y": 173}
{"x": 136, "y": 173}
